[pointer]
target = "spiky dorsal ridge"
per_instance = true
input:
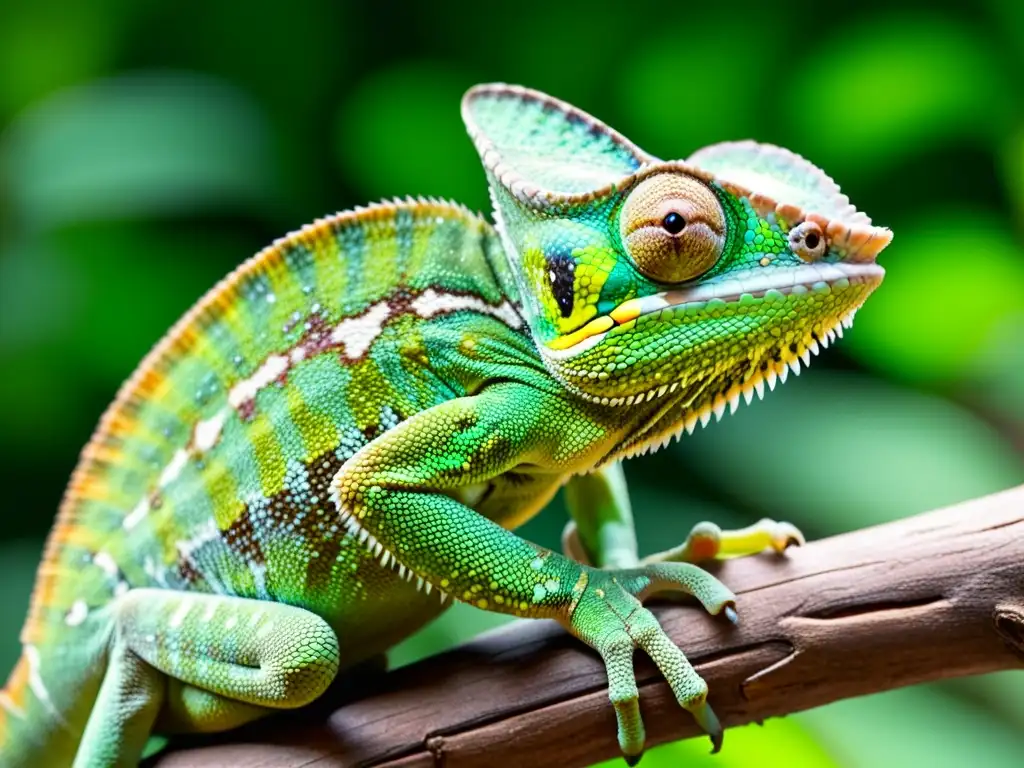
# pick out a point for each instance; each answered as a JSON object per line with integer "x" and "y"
{"x": 120, "y": 416}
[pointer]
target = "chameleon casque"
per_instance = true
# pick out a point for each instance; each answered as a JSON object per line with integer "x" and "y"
{"x": 344, "y": 432}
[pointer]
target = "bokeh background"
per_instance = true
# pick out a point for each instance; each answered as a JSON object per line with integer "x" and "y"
{"x": 147, "y": 148}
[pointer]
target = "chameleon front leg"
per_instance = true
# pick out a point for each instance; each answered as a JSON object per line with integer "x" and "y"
{"x": 203, "y": 663}
{"x": 399, "y": 494}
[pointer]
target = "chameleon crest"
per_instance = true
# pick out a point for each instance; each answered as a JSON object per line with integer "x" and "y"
{"x": 342, "y": 435}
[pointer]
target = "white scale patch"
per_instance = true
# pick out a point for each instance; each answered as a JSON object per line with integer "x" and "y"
{"x": 207, "y": 432}
{"x": 272, "y": 369}
{"x": 106, "y": 563}
{"x": 211, "y": 609}
{"x": 137, "y": 514}
{"x": 431, "y": 303}
{"x": 172, "y": 470}
{"x": 179, "y": 615}
{"x": 356, "y": 334}
{"x": 78, "y": 613}
{"x": 36, "y": 684}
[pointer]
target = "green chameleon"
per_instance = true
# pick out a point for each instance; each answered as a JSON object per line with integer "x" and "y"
{"x": 342, "y": 434}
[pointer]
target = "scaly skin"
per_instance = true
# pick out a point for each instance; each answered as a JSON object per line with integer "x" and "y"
{"x": 345, "y": 431}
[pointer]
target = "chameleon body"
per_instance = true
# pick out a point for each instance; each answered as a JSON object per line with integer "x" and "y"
{"x": 345, "y": 431}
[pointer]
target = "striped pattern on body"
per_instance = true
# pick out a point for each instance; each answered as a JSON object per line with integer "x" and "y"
{"x": 204, "y": 419}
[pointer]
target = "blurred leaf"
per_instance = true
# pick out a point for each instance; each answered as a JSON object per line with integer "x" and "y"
{"x": 954, "y": 277}
{"x": 20, "y": 559}
{"x": 143, "y": 144}
{"x": 561, "y": 55}
{"x": 779, "y": 743}
{"x": 82, "y": 306}
{"x": 835, "y": 452}
{"x": 1012, "y": 167}
{"x": 290, "y": 60}
{"x": 659, "y": 93}
{"x": 999, "y": 693}
{"x": 32, "y": 276}
{"x": 897, "y": 84}
{"x": 135, "y": 282}
{"x": 399, "y": 133}
{"x": 914, "y": 727}
{"x": 1008, "y": 25}
{"x": 996, "y": 381}
{"x": 38, "y": 54}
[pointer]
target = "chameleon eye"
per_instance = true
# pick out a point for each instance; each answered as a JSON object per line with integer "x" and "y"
{"x": 807, "y": 241}
{"x": 673, "y": 227}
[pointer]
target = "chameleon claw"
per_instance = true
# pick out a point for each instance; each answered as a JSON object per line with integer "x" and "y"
{"x": 706, "y": 719}
{"x": 632, "y": 760}
{"x": 786, "y": 535}
{"x": 730, "y": 614}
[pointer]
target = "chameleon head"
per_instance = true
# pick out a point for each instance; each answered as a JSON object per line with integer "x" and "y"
{"x": 685, "y": 285}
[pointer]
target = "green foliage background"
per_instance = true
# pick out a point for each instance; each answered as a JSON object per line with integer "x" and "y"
{"x": 147, "y": 148}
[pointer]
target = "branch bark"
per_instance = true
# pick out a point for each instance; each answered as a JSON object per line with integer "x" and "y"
{"x": 934, "y": 596}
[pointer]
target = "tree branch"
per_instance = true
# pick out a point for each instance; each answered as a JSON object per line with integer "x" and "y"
{"x": 934, "y": 596}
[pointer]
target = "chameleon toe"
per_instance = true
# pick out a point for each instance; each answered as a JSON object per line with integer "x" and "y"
{"x": 706, "y": 719}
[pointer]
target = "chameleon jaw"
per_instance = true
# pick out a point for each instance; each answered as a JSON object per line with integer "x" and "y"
{"x": 717, "y": 408}
{"x": 770, "y": 372}
{"x": 800, "y": 280}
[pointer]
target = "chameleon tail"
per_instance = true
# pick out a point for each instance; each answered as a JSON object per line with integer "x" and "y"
{"x": 31, "y": 732}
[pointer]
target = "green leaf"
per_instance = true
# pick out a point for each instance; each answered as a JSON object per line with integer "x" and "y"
{"x": 896, "y": 84}
{"x": 37, "y": 55}
{"x": 953, "y": 280}
{"x": 399, "y": 133}
{"x": 834, "y": 452}
{"x": 999, "y": 693}
{"x": 661, "y": 93}
{"x": 80, "y": 308}
{"x": 137, "y": 145}
{"x": 1012, "y": 166}
{"x": 779, "y": 743}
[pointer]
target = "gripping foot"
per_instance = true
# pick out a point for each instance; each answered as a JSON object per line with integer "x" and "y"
{"x": 709, "y": 542}
{"x": 609, "y": 616}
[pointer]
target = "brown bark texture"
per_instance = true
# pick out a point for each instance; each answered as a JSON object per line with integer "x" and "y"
{"x": 934, "y": 596}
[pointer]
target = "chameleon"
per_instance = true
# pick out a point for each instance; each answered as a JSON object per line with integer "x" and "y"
{"x": 340, "y": 438}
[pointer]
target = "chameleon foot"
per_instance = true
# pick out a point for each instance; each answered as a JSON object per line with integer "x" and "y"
{"x": 708, "y": 542}
{"x": 609, "y": 616}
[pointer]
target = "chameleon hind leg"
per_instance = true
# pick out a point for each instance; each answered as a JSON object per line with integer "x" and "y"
{"x": 601, "y": 532}
{"x": 202, "y": 662}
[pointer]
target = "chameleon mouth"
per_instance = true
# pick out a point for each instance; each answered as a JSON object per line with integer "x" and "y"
{"x": 803, "y": 279}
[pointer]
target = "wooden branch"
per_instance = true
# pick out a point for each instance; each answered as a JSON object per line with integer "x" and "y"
{"x": 934, "y": 596}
